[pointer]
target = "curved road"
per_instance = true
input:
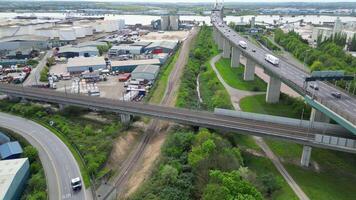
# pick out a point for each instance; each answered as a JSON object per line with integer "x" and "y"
{"x": 57, "y": 160}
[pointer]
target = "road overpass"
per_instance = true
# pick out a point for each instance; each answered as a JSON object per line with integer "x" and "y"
{"x": 324, "y": 105}
{"x": 309, "y": 136}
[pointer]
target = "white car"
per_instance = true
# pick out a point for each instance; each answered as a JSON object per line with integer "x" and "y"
{"x": 76, "y": 183}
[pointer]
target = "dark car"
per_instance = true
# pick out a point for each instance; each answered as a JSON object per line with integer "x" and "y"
{"x": 336, "y": 95}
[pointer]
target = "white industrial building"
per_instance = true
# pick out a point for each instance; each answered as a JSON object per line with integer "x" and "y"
{"x": 13, "y": 176}
{"x": 326, "y": 31}
{"x": 125, "y": 49}
{"x": 80, "y": 64}
{"x": 145, "y": 72}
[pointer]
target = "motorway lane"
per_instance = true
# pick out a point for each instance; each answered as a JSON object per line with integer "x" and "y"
{"x": 57, "y": 160}
{"x": 346, "y": 106}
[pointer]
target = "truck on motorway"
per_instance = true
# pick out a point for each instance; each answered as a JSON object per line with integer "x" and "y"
{"x": 272, "y": 59}
{"x": 243, "y": 44}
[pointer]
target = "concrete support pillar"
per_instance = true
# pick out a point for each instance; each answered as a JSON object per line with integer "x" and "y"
{"x": 306, "y": 156}
{"x": 227, "y": 49}
{"x": 125, "y": 118}
{"x": 317, "y": 116}
{"x": 220, "y": 41}
{"x": 273, "y": 90}
{"x": 24, "y": 100}
{"x": 235, "y": 57}
{"x": 62, "y": 106}
{"x": 249, "y": 73}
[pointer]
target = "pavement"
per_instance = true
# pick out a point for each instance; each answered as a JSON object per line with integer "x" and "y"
{"x": 57, "y": 160}
{"x": 34, "y": 77}
{"x": 237, "y": 95}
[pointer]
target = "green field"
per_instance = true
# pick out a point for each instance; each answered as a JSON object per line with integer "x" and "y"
{"x": 234, "y": 77}
{"x": 332, "y": 175}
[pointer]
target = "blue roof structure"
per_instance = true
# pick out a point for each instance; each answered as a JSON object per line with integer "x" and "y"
{"x": 4, "y": 138}
{"x": 10, "y": 150}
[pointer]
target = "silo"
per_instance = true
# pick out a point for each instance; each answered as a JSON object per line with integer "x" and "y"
{"x": 174, "y": 22}
{"x": 165, "y": 22}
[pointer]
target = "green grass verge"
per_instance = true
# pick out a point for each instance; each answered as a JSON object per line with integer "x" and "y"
{"x": 234, "y": 77}
{"x": 333, "y": 174}
{"x": 161, "y": 84}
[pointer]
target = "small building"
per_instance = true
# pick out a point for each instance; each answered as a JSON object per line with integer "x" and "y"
{"x": 71, "y": 52}
{"x": 78, "y": 65}
{"x": 128, "y": 66}
{"x": 125, "y": 50}
{"x": 162, "y": 57}
{"x": 24, "y": 42}
{"x": 162, "y": 47}
{"x": 10, "y": 150}
{"x": 13, "y": 176}
{"x": 22, "y": 54}
{"x": 145, "y": 72}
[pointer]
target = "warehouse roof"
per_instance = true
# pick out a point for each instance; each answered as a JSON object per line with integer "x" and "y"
{"x": 91, "y": 44}
{"x": 8, "y": 171}
{"x": 126, "y": 47}
{"x": 77, "y": 49}
{"x": 163, "y": 44}
{"x": 24, "y": 38}
{"x": 85, "y": 61}
{"x": 141, "y": 43}
{"x": 135, "y": 62}
{"x": 9, "y": 149}
{"x": 146, "y": 69}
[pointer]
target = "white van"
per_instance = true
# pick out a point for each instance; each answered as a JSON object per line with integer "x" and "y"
{"x": 243, "y": 44}
{"x": 272, "y": 59}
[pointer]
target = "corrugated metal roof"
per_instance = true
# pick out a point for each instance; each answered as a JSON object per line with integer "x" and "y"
{"x": 85, "y": 61}
{"x": 8, "y": 171}
{"x": 126, "y": 47}
{"x": 163, "y": 44}
{"x": 24, "y": 38}
{"x": 153, "y": 69}
{"x": 9, "y": 149}
{"x": 90, "y": 44}
{"x": 135, "y": 62}
{"x": 77, "y": 49}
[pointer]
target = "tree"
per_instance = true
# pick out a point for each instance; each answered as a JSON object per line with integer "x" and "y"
{"x": 352, "y": 46}
{"x": 169, "y": 174}
{"x": 269, "y": 183}
{"x": 31, "y": 153}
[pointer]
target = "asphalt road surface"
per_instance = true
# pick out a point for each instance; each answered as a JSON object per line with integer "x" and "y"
{"x": 57, "y": 160}
{"x": 291, "y": 75}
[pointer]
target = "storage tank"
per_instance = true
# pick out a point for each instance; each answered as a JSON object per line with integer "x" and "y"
{"x": 164, "y": 22}
{"x": 174, "y": 22}
{"x": 79, "y": 32}
{"x": 67, "y": 34}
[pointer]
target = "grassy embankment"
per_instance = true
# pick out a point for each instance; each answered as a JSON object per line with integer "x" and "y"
{"x": 234, "y": 77}
{"x": 332, "y": 174}
{"x": 89, "y": 140}
{"x": 157, "y": 91}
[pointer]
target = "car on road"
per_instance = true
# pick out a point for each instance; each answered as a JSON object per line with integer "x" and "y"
{"x": 76, "y": 184}
{"x": 336, "y": 95}
{"x": 253, "y": 50}
{"x": 243, "y": 44}
{"x": 314, "y": 86}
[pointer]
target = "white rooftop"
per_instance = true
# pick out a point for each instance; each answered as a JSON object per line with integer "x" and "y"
{"x": 135, "y": 62}
{"x": 85, "y": 61}
{"x": 8, "y": 170}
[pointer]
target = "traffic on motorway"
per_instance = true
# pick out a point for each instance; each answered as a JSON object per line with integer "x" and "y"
{"x": 335, "y": 99}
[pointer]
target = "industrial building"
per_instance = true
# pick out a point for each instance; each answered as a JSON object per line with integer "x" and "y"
{"x": 71, "y": 52}
{"x": 162, "y": 47}
{"x": 91, "y": 44}
{"x": 145, "y": 72}
{"x": 162, "y": 57}
{"x": 130, "y": 65}
{"x": 24, "y": 42}
{"x": 13, "y": 176}
{"x": 10, "y": 150}
{"x": 78, "y": 65}
{"x": 125, "y": 50}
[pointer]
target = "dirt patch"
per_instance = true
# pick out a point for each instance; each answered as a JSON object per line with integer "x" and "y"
{"x": 144, "y": 168}
{"x": 122, "y": 147}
